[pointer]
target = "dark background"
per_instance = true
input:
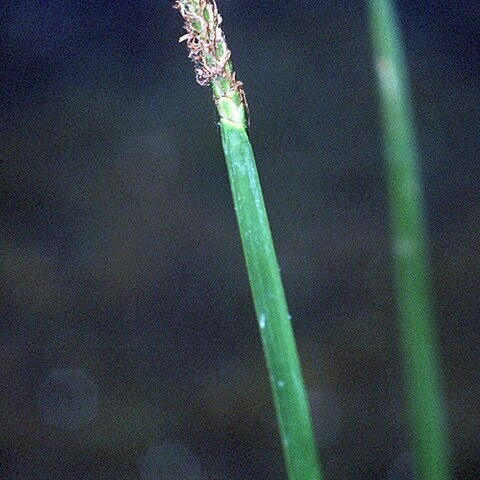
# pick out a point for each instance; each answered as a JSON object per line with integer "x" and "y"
{"x": 129, "y": 346}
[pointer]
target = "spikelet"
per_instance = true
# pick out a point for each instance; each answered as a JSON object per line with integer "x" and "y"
{"x": 206, "y": 44}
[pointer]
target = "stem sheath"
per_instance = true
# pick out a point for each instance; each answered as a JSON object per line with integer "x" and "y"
{"x": 271, "y": 307}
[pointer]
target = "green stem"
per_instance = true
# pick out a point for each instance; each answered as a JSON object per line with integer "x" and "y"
{"x": 275, "y": 327}
{"x": 418, "y": 336}
{"x": 213, "y": 66}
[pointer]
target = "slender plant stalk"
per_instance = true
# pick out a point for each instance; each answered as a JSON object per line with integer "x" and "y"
{"x": 418, "y": 336}
{"x": 209, "y": 52}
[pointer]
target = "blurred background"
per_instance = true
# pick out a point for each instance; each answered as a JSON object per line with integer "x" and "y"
{"x": 129, "y": 345}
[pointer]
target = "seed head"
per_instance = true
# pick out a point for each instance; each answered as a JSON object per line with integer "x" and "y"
{"x": 206, "y": 43}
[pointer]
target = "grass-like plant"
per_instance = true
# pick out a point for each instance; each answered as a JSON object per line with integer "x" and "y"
{"x": 211, "y": 56}
{"x": 418, "y": 336}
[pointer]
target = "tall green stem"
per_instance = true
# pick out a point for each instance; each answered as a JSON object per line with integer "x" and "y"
{"x": 210, "y": 53}
{"x": 418, "y": 336}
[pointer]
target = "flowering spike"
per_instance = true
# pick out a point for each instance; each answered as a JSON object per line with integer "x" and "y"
{"x": 209, "y": 52}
